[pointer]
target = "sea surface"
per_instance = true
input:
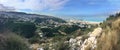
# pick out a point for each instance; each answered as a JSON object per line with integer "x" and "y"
{"x": 94, "y": 19}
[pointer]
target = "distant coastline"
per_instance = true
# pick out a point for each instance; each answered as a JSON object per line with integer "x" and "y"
{"x": 83, "y": 22}
{"x": 93, "y": 22}
{"x": 88, "y": 19}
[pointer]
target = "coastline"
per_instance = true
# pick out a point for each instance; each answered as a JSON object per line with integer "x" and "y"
{"x": 84, "y": 21}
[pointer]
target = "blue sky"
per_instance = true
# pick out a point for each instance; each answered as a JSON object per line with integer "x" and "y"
{"x": 91, "y": 7}
{"x": 63, "y": 7}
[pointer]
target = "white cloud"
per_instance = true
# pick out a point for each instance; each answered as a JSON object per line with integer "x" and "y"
{"x": 6, "y": 8}
{"x": 35, "y": 5}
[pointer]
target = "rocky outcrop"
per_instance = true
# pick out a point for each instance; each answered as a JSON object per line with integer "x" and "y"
{"x": 79, "y": 43}
{"x": 85, "y": 42}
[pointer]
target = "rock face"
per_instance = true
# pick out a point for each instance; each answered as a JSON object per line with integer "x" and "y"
{"x": 89, "y": 43}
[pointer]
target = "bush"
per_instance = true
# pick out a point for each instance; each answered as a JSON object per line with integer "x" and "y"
{"x": 13, "y": 42}
{"x": 25, "y": 29}
{"x": 62, "y": 46}
{"x": 34, "y": 40}
{"x": 48, "y": 32}
{"x": 68, "y": 29}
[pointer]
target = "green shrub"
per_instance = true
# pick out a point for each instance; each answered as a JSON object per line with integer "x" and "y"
{"x": 25, "y": 29}
{"x": 34, "y": 40}
{"x": 62, "y": 46}
{"x": 68, "y": 29}
{"x": 13, "y": 42}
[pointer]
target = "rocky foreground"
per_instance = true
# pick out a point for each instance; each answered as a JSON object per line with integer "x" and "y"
{"x": 84, "y": 42}
{"x": 89, "y": 42}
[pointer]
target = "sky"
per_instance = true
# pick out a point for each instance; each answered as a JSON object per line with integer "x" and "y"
{"x": 63, "y": 7}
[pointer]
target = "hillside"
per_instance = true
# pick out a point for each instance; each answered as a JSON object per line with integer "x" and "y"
{"x": 59, "y": 35}
{"x": 33, "y": 30}
{"x": 105, "y": 37}
{"x": 110, "y": 38}
{"x": 48, "y": 33}
{"x": 21, "y": 16}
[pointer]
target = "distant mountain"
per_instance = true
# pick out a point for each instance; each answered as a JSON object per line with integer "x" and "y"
{"x": 21, "y": 16}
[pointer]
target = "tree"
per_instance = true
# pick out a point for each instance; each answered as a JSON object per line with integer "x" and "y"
{"x": 25, "y": 29}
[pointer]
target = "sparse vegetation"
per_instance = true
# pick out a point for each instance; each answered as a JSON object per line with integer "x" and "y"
{"x": 13, "y": 42}
{"x": 110, "y": 39}
{"x": 55, "y": 32}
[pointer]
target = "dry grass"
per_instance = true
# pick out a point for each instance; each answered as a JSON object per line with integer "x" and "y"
{"x": 88, "y": 47}
{"x": 109, "y": 39}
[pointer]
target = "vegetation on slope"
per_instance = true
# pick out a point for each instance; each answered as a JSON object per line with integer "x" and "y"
{"x": 13, "y": 42}
{"x": 28, "y": 26}
{"x": 110, "y": 38}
